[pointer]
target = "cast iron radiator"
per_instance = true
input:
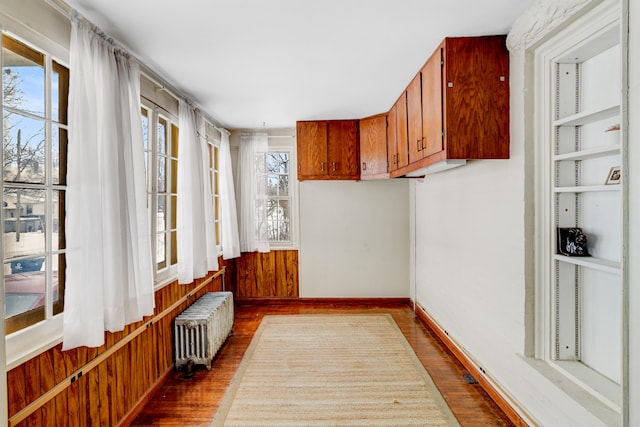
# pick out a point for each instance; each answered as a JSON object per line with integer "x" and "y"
{"x": 202, "y": 328}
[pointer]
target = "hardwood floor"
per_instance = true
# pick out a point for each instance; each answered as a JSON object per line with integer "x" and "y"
{"x": 194, "y": 402}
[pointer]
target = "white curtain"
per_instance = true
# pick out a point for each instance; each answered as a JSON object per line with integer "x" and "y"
{"x": 197, "y": 252}
{"x": 109, "y": 275}
{"x": 253, "y": 193}
{"x": 228, "y": 213}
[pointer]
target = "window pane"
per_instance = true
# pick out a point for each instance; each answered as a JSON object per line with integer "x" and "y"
{"x": 174, "y": 248}
{"x": 174, "y": 141}
{"x": 59, "y": 155}
{"x": 283, "y": 185}
{"x": 283, "y": 210}
{"x": 174, "y": 176}
{"x": 162, "y": 175}
{"x": 24, "y": 283}
{"x": 23, "y": 232}
{"x": 161, "y": 219}
{"x": 278, "y": 162}
{"x": 58, "y": 282}
{"x": 272, "y": 185}
{"x": 174, "y": 210}
{"x": 60, "y": 92}
{"x": 145, "y": 128}
{"x": 23, "y": 149}
{"x": 162, "y": 136}
{"x": 22, "y": 77}
{"x": 161, "y": 249}
{"x": 57, "y": 233}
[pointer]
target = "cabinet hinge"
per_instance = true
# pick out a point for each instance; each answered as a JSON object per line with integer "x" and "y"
{"x": 443, "y": 134}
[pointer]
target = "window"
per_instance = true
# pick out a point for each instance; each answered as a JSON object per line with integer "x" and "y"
{"x": 160, "y": 137}
{"x": 213, "y": 152}
{"x": 34, "y": 119}
{"x": 277, "y": 174}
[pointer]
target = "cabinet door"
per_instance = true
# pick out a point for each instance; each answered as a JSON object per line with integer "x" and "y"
{"x": 402, "y": 155}
{"x": 392, "y": 138}
{"x": 373, "y": 146}
{"x": 477, "y": 98}
{"x": 343, "y": 149}
{"x": 312, "y": 149}
{"x": 414, "y": 118}
{"x": 432, "y": 129}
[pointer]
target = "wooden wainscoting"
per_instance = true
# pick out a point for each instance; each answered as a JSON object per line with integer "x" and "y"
{"x": 266, "y": 275}
{"x": 107, "y": 385}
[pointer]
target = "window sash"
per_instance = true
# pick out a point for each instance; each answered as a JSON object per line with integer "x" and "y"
{"x": 41, "y": 287}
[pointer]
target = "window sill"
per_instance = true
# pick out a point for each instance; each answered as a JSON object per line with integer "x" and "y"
{"x": 591, "y": 390}
{"x": 282, "y": 247}
{"x": 32, "y": 341}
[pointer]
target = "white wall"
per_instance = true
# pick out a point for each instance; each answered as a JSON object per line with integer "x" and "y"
{"x": 473, "y": 254}
{"x": 354, "y": 239}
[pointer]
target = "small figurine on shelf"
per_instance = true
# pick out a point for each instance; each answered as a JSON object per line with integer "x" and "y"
{"x": 572, "y": 242}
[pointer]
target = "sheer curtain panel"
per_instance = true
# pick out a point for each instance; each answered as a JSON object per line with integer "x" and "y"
{"x": 197, "y": 253}
{"x": 228, "y": 212}
{"x": 252, "y": 222}
{"x": 109, "y": 280}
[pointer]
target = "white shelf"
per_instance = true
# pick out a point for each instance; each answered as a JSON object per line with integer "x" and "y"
{"x": 589, "y": 154}
{"x": 587, "y": 117}
{"x": 587, "y": 188}
{"x": 608, "y": 266}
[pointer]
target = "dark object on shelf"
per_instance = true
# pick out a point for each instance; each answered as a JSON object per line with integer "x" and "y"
{"x": 572, "y": 242}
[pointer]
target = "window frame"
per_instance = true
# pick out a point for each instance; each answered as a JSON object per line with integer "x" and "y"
{"x": 163, "y": 274}
{"x": 25, "y": 343}
{"x": 213, "y": 151}
{"x": 286, "y": 143}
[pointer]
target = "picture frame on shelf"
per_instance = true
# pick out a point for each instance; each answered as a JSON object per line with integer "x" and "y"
{"x": 614, "y": 176}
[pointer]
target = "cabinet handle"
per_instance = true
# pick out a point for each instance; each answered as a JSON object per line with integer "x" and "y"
{"x": 322, "y": 166}
{"x": 397, "y": 159}
{"x": 334, "y": 166}
{"x": 423, "y": 138}
{"x": 419, "y": 144}
{"x": 364, "y": 166}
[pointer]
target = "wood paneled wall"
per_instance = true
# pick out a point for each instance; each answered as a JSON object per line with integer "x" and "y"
{"x": 106, "y": 394}
{"x": 266, "y": 275}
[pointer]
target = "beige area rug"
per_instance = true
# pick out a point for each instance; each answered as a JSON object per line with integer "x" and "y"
{"x": 331, "y": 370}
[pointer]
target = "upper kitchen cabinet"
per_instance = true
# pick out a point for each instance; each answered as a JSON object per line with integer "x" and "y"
{"x": 397, "y": 142}
{"x": 461, "y": 107}
{"x": 373, "y": 147}
{"x": 328, "y": 149}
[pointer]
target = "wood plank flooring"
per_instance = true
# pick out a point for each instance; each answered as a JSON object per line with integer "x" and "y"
{"x": 194, "y": 402}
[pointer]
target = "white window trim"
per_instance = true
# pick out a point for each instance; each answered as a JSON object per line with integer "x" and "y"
{"x": 26, "y": 343}
{"x": 288, "y": 144}
{"x": 215, "y": 141}
{"x": 603, "y": 397}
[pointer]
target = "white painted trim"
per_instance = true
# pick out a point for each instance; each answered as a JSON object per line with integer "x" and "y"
{"x": 600, "y": 18}
{"x": 29, "y": 342}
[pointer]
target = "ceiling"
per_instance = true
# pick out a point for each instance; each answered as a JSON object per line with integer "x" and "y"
{"x": 265, "y": 64}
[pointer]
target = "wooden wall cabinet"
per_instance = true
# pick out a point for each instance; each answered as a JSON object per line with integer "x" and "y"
{"x": 328, "y": 149}
{"x": 397, "y": 141}
{"x": 373, "y": 147}
{"x": 458, "y": 104}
